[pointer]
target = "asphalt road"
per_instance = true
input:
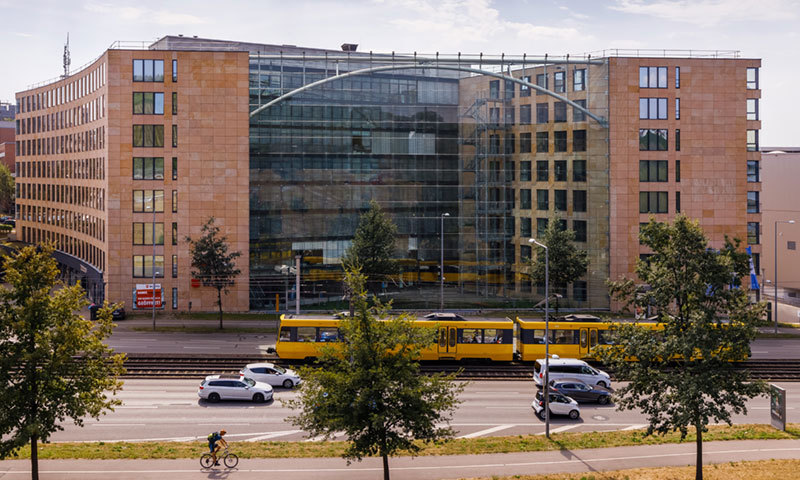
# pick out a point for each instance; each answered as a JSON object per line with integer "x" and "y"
{"x": 170, "y": 410}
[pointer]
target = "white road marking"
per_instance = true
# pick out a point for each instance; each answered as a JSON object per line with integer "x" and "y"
{"x": 273, "y": 435}
{"x": 118, "y": 424}
{"x": 634, "y": 427}
{"x": 562, "y": 428}
{"x": 486, "y": 432}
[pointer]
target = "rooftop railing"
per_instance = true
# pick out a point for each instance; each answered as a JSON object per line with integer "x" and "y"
{"x": 664, "y": 53}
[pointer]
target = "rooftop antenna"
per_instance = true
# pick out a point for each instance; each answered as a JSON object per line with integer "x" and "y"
{"x": 66, "y": 57}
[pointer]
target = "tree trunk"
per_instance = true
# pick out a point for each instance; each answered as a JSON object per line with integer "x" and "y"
{"x": 699, "y": 467}
{"x": 385, "y": 467}
{"x": 219, "y": 302}
{"x": 34, "y": 459}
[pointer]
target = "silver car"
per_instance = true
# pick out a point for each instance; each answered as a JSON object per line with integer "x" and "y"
{"x": 230, "y": 387}
{"x": 272, "y": 374}
{"x": 559, "y": 405}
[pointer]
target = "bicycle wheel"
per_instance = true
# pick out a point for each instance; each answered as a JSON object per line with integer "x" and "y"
{"x": 231, "y": 460}
{"x": 206, "y": 460}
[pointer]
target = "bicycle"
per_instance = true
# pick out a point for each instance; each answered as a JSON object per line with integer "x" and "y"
{"x": 230, "y": 460}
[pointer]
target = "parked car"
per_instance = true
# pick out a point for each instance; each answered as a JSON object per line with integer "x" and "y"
{"x": 559, "y": 405}
{"x": 231, "y": 387}
{"x": 581, "y": 392}
{"x": 570, "y": 368}
{"x": 118, "y": 314}
{"x": 271, "y": 374}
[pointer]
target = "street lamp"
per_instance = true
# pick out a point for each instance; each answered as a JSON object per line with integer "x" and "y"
{"x": 776, "y": 269}
{"x": 153, "y": 261}
{"x": 546, "y": 337}
{"x": 441, "y": 266}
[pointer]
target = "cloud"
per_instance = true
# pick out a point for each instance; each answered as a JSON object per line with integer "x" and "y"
{"x": 144, "y": 15}
{"x": 21, "y": 34}
{"x": 711, "y": 12}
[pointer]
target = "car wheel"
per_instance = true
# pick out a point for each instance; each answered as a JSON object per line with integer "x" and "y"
{"x": 602, "y": 384}
{"x": 540, "y": 414}
{"x": 603, "y": 400}
{"x": 213, "y": 397}
{"x": 288, "y": 383}
{"x": 574, "y": 414}
{"x": 258, "y": 398}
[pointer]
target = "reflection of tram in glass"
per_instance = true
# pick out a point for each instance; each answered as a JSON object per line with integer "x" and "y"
{"x": 455, "y": 272}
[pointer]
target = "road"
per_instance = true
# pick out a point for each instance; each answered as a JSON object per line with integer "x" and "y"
{"x": 170, "y": 410}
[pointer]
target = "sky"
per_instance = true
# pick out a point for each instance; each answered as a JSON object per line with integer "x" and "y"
{"x": 33, "y": 32}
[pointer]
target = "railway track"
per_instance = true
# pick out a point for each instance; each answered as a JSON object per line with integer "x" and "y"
{"x": 141, "y": 366}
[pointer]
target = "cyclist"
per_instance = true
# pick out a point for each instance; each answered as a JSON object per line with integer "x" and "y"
{"x": 213, "y": 438}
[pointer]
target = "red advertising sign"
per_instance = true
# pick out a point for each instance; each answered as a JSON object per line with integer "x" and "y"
{"x": 144, "y": 295}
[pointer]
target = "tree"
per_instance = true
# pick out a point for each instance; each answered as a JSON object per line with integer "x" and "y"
{"x": 6, "y": 189}
{"x": 211, "y": 262}
{"x": 567, "y": 263}
{"x": 53, "y": 362}
{"x": 373, "y": 246}
{"x": 708, "y": 324}
{"x": 370, "y": 386}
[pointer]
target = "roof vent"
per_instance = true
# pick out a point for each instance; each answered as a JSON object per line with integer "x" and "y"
{"x": 349, "y": 47}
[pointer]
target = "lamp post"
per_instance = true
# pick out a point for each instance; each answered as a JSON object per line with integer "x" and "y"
{"x": 153, "y": 286}
{"x": 441, "y": 266}
{"x": 776, "y": 269}
{"x": 546, "y": 336}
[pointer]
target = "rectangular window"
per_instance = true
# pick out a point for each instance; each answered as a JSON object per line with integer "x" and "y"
{"x": 579, "y": 79}
{"x": 677, "y": 109}
{"x": 148, "y": 103}
{"x": 579, "y": 227}
{"x": 525, "y": 142}
{"x": 542, "y": 113}
{"x": 525, "y": 199}
{"x": 560, "y": 200}
{"x": 652, "y": 77}
{"x": 148, "y": 135}
{"x": 753, "y": 233}
{"x": 752, "y": 109}
{"x": 652, "y": 139}
{"x": 148, "y": 70}
{"x": 579, "y": 170}
{"x": 677, "y": 202}
{"x": 508, "y": 89}
{"x": 509, "y": 115}
{"x": 525, "y": 227}
{"x": 524, "y": 90}
{"x": 579, "y": 140}
{"x": 541, "y": 81}
{"x": 143, "y": 266}
{"x": 524, "y": 171}
{"x": 653, "y": 202}
{"x": 524, "y": 114}
{"x": 174, "y": 71}
{"x": 752, "y": 78}
{"x": 753, "y": 205}
{"x": 542, "y": 200}
{"x": 144, "y": 200}
{"x": 560, "y": 112}
{"x": 174, "y": 168}
{"x": 174, "y": 136}
{"x": 560, "y": 170}
{"x": 579, "y": 290}
{"x": 494, "y": 89}
{"x": 174, "y": 298}
{"x": 579, "y": 200}
{"x": 578, "y": 115}
{"x": 652, "y": 108}
{"x": 677, "y": 170}
{"x": 524, "y": 253}
{"x": 541, "y": 227}
{"x": 174, "y": 266}
{"x": 560, "y": 141}
{"x": 542, "y": 142}
{"x": 677, "y": 77}
{"x": 174, "y": 103}
{"x": 174, "y": 233}
{"x": 148, "y": 168}
{"x": 653, "y": 171}
{"x": 542, "y": 171}
{"x": 752, "y": 140}
{"x": 678, "y": 140}
{"x": 174, "y": 201}
{"x": 559, "y": 80}
{"x": 753, "y": 171}
{"x": 143, "y": 233}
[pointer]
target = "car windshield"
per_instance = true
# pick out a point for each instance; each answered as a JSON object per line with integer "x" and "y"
{"x": 249, "y": 381}
{"x": 278, "y": 369}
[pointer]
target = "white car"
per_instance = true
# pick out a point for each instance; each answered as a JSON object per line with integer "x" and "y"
{"x": 559, "y": 405}
{"x": 230, "y": 387}
{"x": 272, "y": 374}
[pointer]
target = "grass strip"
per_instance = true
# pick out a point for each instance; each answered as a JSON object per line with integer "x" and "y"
{"x": 180, "y": 329}
{"x": 463, "y": 446}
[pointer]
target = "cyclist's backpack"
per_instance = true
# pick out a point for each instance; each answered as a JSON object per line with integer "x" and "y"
{"x": 213, "y": 436}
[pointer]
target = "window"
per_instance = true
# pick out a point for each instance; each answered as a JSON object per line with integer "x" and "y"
{"x": 652, "y": 139}
{"x": 143, "y": 266}
{"x": 494, "y": 116}
{"x": 579, "y": 290}
{"x": 752, "y": 109}
{"x": 541, "y": 81}
{"x": 579, "y": 170}
{"x": 677, "y": 202}
{"x": 174, "y": 296}
{"x": 525, "y": 199}
{"x": 542, "y": 113}
{"x": 143, "y": 233}
{"x": 752, "y": 202}
{"x": 752, "y": 140}
{"x": 677, "y": 109}
{"x": 494, "y": 89}
{"x": 653, "y": 202}
{"x": 560, "y": 170}
{"x": 174, "y": 168}
{"x": 525, "y": 142}
{"x": 560, "y": 112}
{"x": 508, "y": 88}
{"x": 524, "y": 171}
{"x": 148, "y": 168}
{"x": 652, "y": 77}
{"x": 143, "y": 200}
{"x": 579, "y": 140}
{"x": 578, "y": 115}
{"x": 579, "y": 200}
{"x": 579, "y": 227}
{"x": 148, "y": 103}
{"x": 752, "y": 233}
{"x": 494, "y": 144}
{"x": 562, "y": 225}
{"x": 542, "y": 200}
{"x": 652, "y": 108}
{"x": 174, "y": 136}
{"x": 541, "y": 227}
{"x": 752, "y": 78}
{"x": 524, "y": 90}
{"x": 559, "y": 80}
{"x": 579, "y": 79}
{"x": 542, "y": 171}
{"x": 524, "y": 114}
{"x": 174, "y": 103}
{"x": 560, "y": 200}
{"x": 677, "y": 170}
{"x": 653, "y": 171}
{"x": 174, "y": 71}
{"x": 525, "y": 227}
{"x": 509, "y": 115}
{"x": 678, "y": 140}
{"x": 524, "y": 253}
{"x": 148, "y": 135}
{"x": 791, "y": 245}
{"x": 174, "y": 201}
{"x": 753, "y": 171}
{"x": 174, "y": 233}
{"x": 560, "y": 140}
{"x": 542, "y": 142}
{"x": 677, "y": 77}
{"x": 509, "y": 142}
{"x": 174, "y": 266}
{"x": 148, "y": 70}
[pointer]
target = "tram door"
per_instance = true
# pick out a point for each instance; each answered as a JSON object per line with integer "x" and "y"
{"x": 447, "y": 342}
{"x": 588, "y": 340}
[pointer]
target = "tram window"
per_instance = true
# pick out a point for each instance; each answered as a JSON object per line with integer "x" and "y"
{"x": 593, "y": 337}
{"x": 306, "y": 334}
{"x": 328, "y": 334}
{"x": 538, "y": 336}
{"x": 494, "y": 335}
{"x": 472, "y": 335}
{"x": 605, "y": 337}
{"x": 565, "y": 336}
{"x": 583, "y": 338}
{"x": 452, "y": 337}
{"x": 442, "y": 337}
{"x": 286, "y": 334}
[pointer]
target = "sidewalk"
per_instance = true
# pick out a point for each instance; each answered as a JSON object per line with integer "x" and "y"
{"x": 422, "y": 468}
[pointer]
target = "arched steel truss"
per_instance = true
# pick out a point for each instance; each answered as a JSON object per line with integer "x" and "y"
{"x": 600, "y": 120}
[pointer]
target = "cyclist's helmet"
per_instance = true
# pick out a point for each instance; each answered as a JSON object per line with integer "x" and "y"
{"x": 222, "y": 432}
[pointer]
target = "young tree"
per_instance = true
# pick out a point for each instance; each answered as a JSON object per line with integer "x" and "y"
{"x": 708, "y": 324}
{"x": 370, "y": 386}
{"x": 373, "y": 246}
{"x": 53, "y": 362}
{"x": 567, "y": 263}
{"x": 211, "y": 262}
{"x": 6, "y": 189}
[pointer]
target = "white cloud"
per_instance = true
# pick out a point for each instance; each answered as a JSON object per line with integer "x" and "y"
{"x": 20, "y": 34}
{"x": 711, "y": 12}
{"x": 144, "y": 15}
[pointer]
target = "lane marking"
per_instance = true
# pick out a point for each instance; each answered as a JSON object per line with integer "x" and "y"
{"x": 486, "y": 432}
{"x": 273, "y": 435}
{"x": 562, "y": 428}
{"x": 634, "y": 427}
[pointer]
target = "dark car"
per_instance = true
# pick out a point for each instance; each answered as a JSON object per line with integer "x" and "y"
{"x": 581, "y": 392}
{"x": 118, "y": 314}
